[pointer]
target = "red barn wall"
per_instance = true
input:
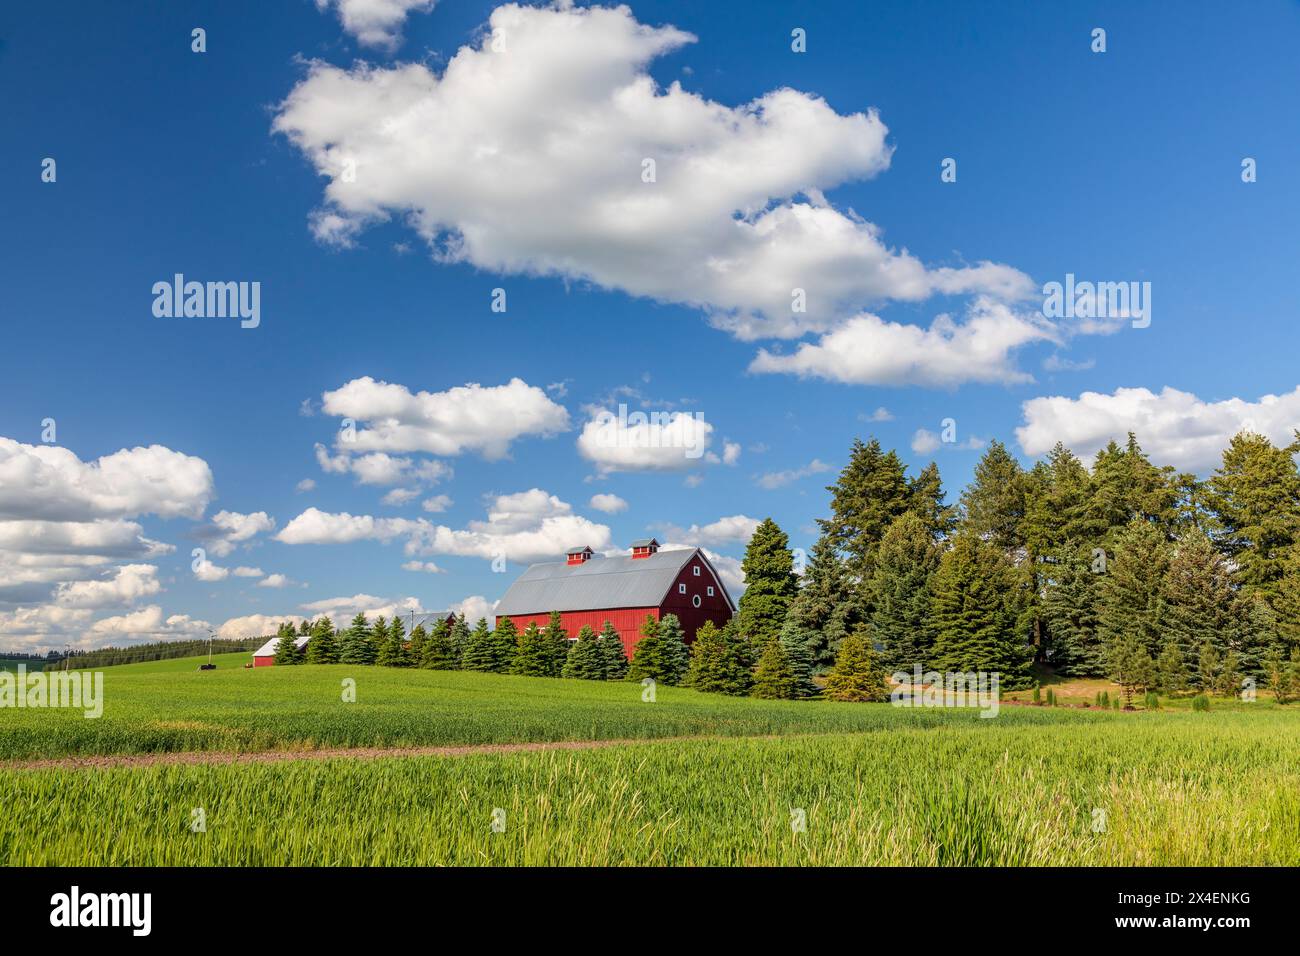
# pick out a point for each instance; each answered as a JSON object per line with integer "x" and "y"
{"x": 263, "y": 661}
{"x": 626, "y": 620}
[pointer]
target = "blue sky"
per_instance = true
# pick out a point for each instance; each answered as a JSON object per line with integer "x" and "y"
{"x": 1123, "y": 165}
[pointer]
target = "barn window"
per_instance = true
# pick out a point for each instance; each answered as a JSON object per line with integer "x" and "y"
{"x": 696, "y": 600}
{"x": 681, "y": 589}
{"x": 710, "y": 590}
{"x": 696, "y": 569}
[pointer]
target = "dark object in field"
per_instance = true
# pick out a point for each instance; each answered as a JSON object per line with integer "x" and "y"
{"x": 207, "y": 667}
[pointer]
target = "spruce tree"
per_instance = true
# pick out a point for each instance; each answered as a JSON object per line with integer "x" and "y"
{"x": 1131, "y": 667}
{"x": 505, "y": 645}
{"x": 459, "y": 638}
{"x": 415, "y": 649}
{"x": 900, "y": 592}
{"x": 870, "y": 492}
{"x": 612, "y": 654}
{"x": 392, "y": 650}
{"x": 356, "y": 646}
{"x": 973, "y": 619}
{"x": 772, "y": 678}
{"x": 480, "y": 649}
{"x": 770, "y": 582}
{"x": 556, "y": 639}
{"x": 1209, "y": 667}
{"x": 647, "y": 656}
{"x": 674, "y": 655}
{"x": 827, "y": 605}
{"x": 1070, "y": 607}
{"x": 437, "y": 654}
{"x": 993, "y": 505}
{"x": 1255, "y": 631}
{"x": 286, "y": 648}
{"x": 585, "y": 660}
{"x": 534, "y": 657}
{"x": 795, "y": 642}
{"x": 1198, "y": 597}
{"x": 1131, "y": 591}
{"x": 925, "y": 499}
{"x": 1171, "y": 670}
{"x": 323, "y": 647}
{"x": 708, "y": 662}
{"x": 858, "y": 674}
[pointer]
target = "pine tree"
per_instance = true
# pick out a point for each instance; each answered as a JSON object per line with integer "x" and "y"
{"x": 1255, "y": 497}
{"x": 826, "y": 605}
{"x": 304, "y": 628}
{"x": 925, "y": 499}
{"x": 556, "y": 639}
{"x": 1131, "y": 667}
{"x": 504, "y": 644}
{"x": 286, "y": 648}
{"x": 436, "y": 653}
{"x": 770, "y": 582}
{"x": 973, "y": 619}
{"x": 772, "y": 678}
{"x": 1209, "y": 667}
{"x": 1131, "y": 589}
{"x": 870, "y": 492}
{"x": 534, "y": 657}
{"x": 356, "y": 646}
{"x": 392, "y": 650}
{"x": 647, "y": 656}
{"x": 1070, "y": 604}
{"x": 1198, "y": 595}
{"x": 900, "y": 592}
{"x": 323, "y": 647}
{"x": 415, "y": 648}
{"x": 993, "y": 505}
{"x": 795, "y": 643}
{"x": 1229, "y": 681}
{"x": 1255, "y": 631}
{"x": 459, "y": 638}
{"x": 1171, "y": 670}
{"x": 1126, "y": 487}
{"x": 858, "y": 674}
{"x": 612, "y": 654}
{"x": 708, "y": 660}
{"x": 585, "y": 660}
{"x": 480, "y": 649}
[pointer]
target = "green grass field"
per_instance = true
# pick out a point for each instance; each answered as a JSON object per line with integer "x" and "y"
{"x": 876, "y": 784}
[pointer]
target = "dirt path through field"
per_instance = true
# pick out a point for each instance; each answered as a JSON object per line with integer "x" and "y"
{"x": 106, "y": 761}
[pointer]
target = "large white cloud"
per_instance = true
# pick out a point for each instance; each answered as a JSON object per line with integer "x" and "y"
{"x": 526, "y": 526}
{"x": 52, "y": 483}
{"x": 129, "y": 583}
{"x": 1173, "y": 427}
{"x": 375, "y": 23}
{"x": 868, "y": 350}
{"x": 229, "y": 529}
{"x": 527, "y": 154}
{"x": 146, "y": 624}
{"x": 656, "y": 441}
{"x": 732, "y": 529}
{"x": 466, "y": 418}
{"x": 256, "y": 625}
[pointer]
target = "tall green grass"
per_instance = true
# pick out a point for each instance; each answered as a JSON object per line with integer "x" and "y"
{"x": 1176, "y": 790}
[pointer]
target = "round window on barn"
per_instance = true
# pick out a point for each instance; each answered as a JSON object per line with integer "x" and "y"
{"x": 696, "y": 600}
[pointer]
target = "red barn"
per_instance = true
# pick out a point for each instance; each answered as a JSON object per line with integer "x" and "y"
{"x": 590, "y": 590}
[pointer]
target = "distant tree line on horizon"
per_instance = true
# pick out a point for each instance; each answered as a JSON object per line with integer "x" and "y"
{"x": 1142, "y": 574}
{"x": 153, "y": 651}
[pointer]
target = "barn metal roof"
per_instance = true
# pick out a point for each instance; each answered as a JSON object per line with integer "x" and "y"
{"x": 268, "y": 649}
{"x": 598, "y": 584}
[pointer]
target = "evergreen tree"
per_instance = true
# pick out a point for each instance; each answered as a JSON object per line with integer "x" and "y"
{"x": 304, "y": 628}
{"x": 392, "y": 650}
{"x": 1255, "y": 632}
{"x": 534, "y": 657}
{"x": 1131, "y": 589}
{"x": 437, "y": 653}
{"x": 585, "y": 660}
{"x": 772, "y": 678}
{"x": 356, "y": 646}
{"x": 870, "y": 492}
{"x": 1198, "y": 596}
{"x": 480, "y": 649}
{"x": 993, "y": 505}
{"x": 826, "y": 605}
{"x": 720, "y": 661}
{"x": 459, "y": 638}
{"x": 770, "y": 582}
{"x": 286, "y": 648}
{"x": 795, "y": 643}
{"x": 1056, "y": 496}
{"x": 415, "y": 648}
{"x": 925, "y": 499}
{"x": 612, "y": 653}
{"x": 647, "y": 656}
{"x": 1209, "y": 667}
{"x": 900, "y": 592}
{"x": 1229, "y": 681}
{"x": 1255, "y": 497}
{"x": 323, "y": 647}
{"x": 1126, "y": 487}
{"x": 1131, "y": 667}
{"x": 1070, "y": 610}
{"x": 556, "y": 639}
{"x": 973, "y": 618}
{"x": 673, "y": 653}
{"x": 1171, "y": 676}
{"x": 505, "y": 645}
{"x": 858, "y": 674}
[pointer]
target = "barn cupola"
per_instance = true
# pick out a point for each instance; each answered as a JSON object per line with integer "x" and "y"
{"x": 644, "y": 548}
{"x": 579, "y": 555}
